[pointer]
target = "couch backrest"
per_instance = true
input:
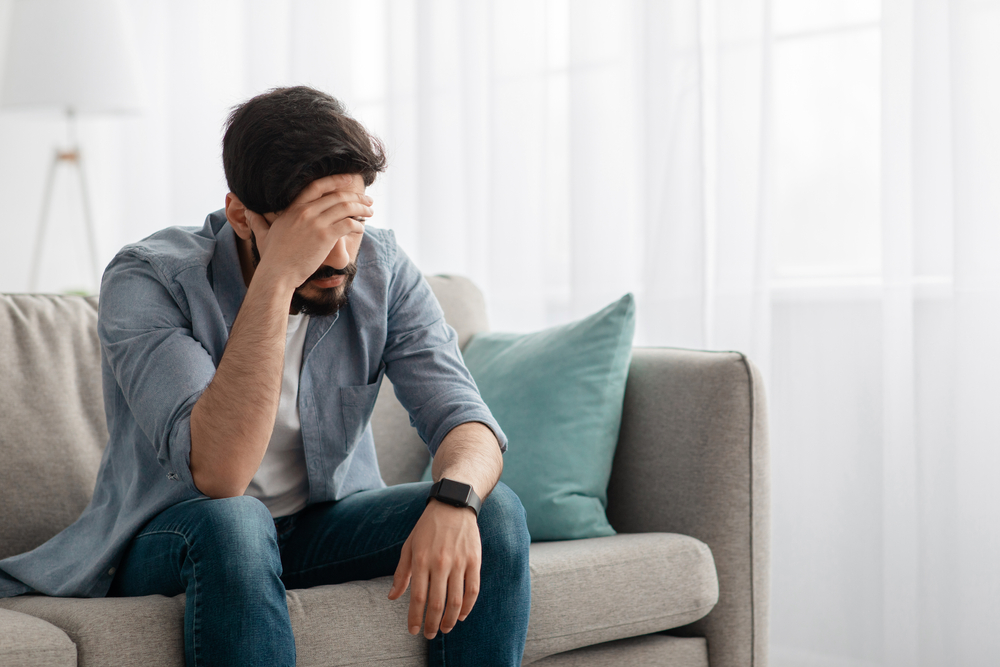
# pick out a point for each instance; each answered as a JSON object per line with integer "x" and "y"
{"x": 52, "y": 423}
{"x": 52, "y": 426}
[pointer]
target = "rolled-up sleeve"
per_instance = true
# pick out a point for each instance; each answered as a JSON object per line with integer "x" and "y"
{"x": 159, "y": 367}
{"x": 424, "y": 362}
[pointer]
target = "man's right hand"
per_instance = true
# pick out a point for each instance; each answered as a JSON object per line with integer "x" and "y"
{"x": 296, "y": 243}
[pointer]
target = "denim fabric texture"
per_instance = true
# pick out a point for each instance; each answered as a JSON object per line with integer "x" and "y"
{"x": 235, "y": 562}
{"x": 166, "y": 308}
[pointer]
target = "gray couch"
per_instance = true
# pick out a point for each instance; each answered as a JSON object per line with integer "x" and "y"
{"x": 684, "y": 583}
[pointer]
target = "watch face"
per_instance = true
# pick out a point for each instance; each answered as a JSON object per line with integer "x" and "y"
{"x": 454, "y": 491}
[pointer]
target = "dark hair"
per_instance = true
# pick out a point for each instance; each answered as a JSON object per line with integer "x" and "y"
{"x": 280, "y": 141}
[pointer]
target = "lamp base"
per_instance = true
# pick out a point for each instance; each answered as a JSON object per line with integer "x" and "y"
{"x": 73, "y": 158}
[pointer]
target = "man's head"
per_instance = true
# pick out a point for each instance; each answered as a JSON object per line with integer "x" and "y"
{"x": 280, "y": 141}
{"x": 275, "y": 145}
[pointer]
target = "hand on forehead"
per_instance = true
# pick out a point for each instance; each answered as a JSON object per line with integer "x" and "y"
{"x": 339, "y": 182}
{"x": 329, "y": 190}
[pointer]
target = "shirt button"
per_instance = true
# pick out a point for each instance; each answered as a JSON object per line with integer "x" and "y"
{"x": 111, "y": 572}
{"x": 172, "y": 476}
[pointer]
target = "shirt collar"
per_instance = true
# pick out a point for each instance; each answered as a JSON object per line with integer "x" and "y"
{"x": 227, "y": 276}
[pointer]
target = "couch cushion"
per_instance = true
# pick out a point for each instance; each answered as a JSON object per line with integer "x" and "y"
{"x": 147, "y": 631}
{"x": 586, "y": 592}
{"x": 27, "y": 641}
{"x": 583, "y": 592}
{"x": 333, "y": 625}
{"x": 645, "y": 651}
{"x": 52, "y": 412}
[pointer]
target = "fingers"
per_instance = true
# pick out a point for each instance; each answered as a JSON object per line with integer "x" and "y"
{"x": 471, "y": 590}
{"x": 341, "y": 204}
{"x": 401, "y": 578}
{"x": 332, "y": 217}
{"x": 322, "y": 186}
{"x": 447, "y": 599}
{"x": 328, "y": 191}
{"x": 441, "y": 561}
{"x": 456, "y": 587}
{"x": 437, "y": 600}
{"x": 257, "y": 223}
{"x": 418, "y": 598}
{"x": 346, "y": 212}
{"x": 323, "y": 228}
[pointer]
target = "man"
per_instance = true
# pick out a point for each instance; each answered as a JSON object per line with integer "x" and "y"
{"x": 241, "y": 363}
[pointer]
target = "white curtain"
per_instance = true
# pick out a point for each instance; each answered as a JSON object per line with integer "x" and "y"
{"x": 884, "y": 385}
{"x": 813, "y": 182}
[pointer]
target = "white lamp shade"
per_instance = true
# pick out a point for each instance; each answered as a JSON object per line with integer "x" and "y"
{"x": 74, "y": 54}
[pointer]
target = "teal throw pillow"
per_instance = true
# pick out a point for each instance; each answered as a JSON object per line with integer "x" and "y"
{"x": 558, "y": 395}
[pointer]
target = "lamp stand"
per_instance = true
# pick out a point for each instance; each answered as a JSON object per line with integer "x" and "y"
{"x": 72, "y": 158}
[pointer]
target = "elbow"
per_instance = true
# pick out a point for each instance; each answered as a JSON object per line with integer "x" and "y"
{"x": 217, "y": 487}
{"x": 213, "y": 473}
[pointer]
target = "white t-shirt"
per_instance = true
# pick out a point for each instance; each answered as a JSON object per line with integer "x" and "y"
{"x": 282, "y": 482}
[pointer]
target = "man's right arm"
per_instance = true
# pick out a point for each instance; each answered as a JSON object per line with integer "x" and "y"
{"x": 232, "y": 421}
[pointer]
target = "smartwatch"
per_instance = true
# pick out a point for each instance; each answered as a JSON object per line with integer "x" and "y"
{"x": 455, "y": 493}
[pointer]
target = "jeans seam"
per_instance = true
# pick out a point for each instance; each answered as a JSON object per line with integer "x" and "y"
{"x": 195, "y": 624}
{"x": 194, "y": 575}
{"x": 163, "y": 532}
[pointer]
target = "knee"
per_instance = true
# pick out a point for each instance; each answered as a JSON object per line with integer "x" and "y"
{"x": 504, "y": 529}
{"x": 236, "y": 530}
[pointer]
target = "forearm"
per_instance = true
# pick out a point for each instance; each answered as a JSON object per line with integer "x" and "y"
{"x": 232, "y": 421}
{"x": 470, "y": 454}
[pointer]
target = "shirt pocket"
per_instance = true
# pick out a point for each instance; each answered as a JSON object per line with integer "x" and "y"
{"x": 357, "y": 404}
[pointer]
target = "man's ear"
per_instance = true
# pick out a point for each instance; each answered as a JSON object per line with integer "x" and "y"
{"x": 236, "y": 214}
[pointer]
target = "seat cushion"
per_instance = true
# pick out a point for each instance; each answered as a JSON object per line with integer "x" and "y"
{"x": 116, "y": 632}
{"x": 26, "y": 641}
{"x": 347, "y": 624}
{"x": 583, "y": 592}
{"x": 645, "y": 651}
{"x": 586, "y": 592}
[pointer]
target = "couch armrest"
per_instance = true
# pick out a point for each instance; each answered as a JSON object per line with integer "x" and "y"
{"x": 692, "y": 458}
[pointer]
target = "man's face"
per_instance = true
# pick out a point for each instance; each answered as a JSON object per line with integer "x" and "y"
{"x": 328, "y": 289}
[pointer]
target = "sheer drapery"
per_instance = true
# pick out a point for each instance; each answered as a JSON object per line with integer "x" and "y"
{"x": 885, "y": 437}
{"x": 813, "y": 182}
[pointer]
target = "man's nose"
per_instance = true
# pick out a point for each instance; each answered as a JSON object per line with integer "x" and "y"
{"x": 339, "y": 258}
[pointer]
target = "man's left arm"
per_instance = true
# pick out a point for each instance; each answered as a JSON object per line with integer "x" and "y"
{"x": 441, "y": 559}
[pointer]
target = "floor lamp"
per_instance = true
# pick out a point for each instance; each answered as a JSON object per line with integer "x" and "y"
{"x": 76, "y": 56}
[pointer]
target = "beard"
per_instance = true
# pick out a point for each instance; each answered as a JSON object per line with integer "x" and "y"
{"x": 329, "y": 300}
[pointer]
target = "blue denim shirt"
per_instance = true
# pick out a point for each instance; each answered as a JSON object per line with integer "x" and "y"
{"x": 166, "y": 308}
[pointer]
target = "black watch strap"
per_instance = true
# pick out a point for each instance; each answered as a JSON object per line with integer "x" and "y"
{"x": 455, "y": 493}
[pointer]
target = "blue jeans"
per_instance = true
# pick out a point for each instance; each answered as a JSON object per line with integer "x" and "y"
{"x": 235, "y": 562}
